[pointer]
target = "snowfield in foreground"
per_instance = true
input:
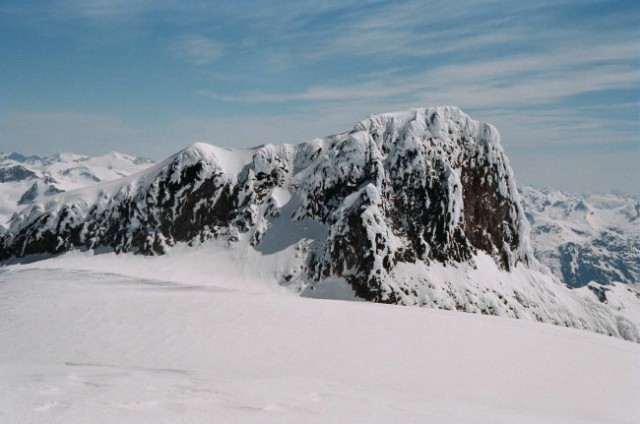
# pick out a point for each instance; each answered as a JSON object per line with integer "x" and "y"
{"x": 90, "y": 339}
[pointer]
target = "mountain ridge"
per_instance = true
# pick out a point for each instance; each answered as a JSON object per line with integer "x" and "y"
{"x": 417, "y": 208}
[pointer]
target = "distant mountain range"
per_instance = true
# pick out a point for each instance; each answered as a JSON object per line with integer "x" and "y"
{"x": 585, "y": 238}
{"x": 23, "y": 179}
{"x": 416, "y": 208}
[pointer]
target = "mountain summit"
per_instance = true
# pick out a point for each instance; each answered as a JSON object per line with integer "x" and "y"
{"x": 417, "y": 207}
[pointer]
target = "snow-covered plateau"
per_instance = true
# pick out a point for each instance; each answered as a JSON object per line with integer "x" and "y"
{"x": 182, "y": 338}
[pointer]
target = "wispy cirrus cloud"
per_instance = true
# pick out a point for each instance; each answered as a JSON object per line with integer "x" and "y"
{"x": 312, "y": 94}
{"x": 513, "y": 81}
{"x": 93, "y": 11}
{"x": 101, "y": 9}
{"x": 557, "y": 76}
{"x": 485, "y": 58}
{"x": 197, "y": 49}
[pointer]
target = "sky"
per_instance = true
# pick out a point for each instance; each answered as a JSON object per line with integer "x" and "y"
{"x": 559, "y": 79}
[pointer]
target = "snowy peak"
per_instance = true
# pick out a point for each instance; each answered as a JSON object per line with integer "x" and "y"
{"x": 445, "y": 123}
{"x": 229, "y": 161}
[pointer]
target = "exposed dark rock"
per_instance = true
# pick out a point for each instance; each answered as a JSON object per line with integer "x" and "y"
{"x": 15, "y": 173}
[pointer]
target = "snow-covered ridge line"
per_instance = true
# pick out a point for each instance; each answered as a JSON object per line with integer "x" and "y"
{"x": 417, "y": 207}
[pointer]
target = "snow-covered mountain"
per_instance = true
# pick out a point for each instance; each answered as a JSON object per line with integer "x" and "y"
{"x": 25, "y": 178}
{"x": 415, "y": 208}
{"x": 585, "y": 238}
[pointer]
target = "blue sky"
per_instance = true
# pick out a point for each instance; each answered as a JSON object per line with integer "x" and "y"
{"x": 559, "y": 79}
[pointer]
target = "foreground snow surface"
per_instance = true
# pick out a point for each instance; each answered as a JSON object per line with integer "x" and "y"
{"x": 115, "y": 339}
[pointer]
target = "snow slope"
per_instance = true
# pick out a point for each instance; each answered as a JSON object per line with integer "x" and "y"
{"x": 110, "y": 345}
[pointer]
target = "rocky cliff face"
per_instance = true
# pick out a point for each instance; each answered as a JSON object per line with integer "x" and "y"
{"x": 429, "y": 185}
{"x": 417, "y": 207}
